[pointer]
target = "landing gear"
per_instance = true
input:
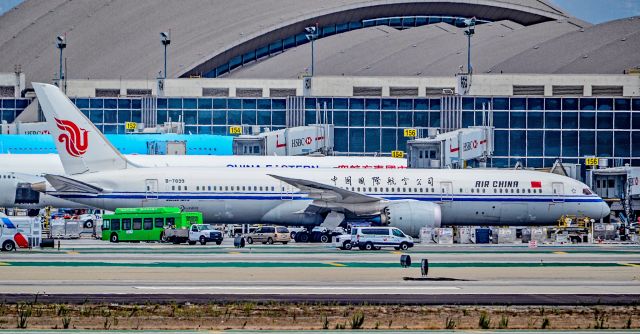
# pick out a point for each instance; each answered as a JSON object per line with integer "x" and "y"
{"x": 302, "y": 237}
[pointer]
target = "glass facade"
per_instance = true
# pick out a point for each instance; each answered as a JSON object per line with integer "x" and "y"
{"x": 532, "y": 130}
{"x": 280, "y": 45}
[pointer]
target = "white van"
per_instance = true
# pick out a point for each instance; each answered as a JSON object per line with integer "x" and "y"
{"x": 368, "y": 238}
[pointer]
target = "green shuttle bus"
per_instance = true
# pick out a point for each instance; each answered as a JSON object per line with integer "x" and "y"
{"x": 145, "y": 224}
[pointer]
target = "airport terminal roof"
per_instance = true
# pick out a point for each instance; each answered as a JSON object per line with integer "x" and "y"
{"x": 120, "y": 38}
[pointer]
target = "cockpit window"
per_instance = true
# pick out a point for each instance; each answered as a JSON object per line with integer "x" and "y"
{"x": 587, "y": 191}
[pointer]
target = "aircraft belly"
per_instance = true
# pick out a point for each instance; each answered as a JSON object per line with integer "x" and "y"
{"x": 236, "y": 211}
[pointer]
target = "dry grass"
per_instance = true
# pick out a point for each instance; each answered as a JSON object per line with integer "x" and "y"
{"x": 303, "y": 316}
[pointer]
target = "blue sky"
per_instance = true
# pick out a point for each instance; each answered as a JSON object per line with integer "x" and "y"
{"x": 598, "y": 11}
{"x": 594, "y": 11}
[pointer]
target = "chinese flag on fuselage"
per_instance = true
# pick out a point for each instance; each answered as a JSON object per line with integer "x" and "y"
{"x": 536, "y": 184}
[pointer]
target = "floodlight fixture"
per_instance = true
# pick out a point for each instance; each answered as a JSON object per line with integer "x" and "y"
{"x": 165, "y": 39}
{"x": 470, "y": 31}
{"x": 312, "y": 35}
{"x": 61, "y": 44}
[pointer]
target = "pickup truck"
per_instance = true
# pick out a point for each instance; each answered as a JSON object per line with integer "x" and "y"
{"x": 202, "y": 233}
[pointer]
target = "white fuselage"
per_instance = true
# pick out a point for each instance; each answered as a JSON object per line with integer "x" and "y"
{"x": 505, "y": 197}
{"x": 39, "y": 164}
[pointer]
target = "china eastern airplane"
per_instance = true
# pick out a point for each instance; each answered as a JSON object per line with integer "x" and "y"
{"x": 17, "y": 170}
{"x": 408, "y": 198}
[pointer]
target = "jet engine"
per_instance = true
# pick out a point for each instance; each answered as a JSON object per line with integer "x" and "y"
{"x": 411, "y": 216}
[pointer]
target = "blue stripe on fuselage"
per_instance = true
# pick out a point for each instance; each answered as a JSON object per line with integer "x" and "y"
{"x": 259, "y": 196}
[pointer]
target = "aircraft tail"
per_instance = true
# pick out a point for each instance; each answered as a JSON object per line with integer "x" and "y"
{"x": 81, "y": 146}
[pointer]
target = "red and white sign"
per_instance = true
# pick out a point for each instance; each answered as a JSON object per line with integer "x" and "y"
{"x": 536, "y": 184}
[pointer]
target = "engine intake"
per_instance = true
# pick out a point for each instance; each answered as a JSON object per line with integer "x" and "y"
{"x": 411, "y": 216}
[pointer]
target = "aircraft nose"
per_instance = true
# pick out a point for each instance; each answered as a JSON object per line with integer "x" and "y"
{"x": 605, "y": 210}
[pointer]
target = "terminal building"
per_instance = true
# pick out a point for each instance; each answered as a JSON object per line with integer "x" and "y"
{"x": 556, "y": 87}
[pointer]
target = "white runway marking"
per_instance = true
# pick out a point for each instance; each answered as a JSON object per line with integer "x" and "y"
{"x": 285, "y": 288}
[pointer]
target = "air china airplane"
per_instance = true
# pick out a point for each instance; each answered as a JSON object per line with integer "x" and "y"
{"x": 409, "y": 198}
{"x": 18, "y": 170}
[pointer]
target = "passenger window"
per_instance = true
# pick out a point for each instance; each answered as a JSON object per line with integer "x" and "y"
{"x": 171, "y": 222}
{"x": 159, "y": 222}
{"x": 137, "y": 223}
{"x": 126, "y": 224}
{"x": 179, "y": 188}
{"x": 398, "y": 233}
{"x": 209, "y": 188}
{"x": 173, "y": 188}
{"x": 115, "y": 224}
{"x": 147, "y": 224}
{"x": 226, "y": 188}
{"x": 106, "y": 224}
{"x": 197, "y": 188}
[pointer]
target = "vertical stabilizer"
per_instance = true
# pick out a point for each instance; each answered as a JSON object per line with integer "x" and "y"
{"x": 81, "y": 146}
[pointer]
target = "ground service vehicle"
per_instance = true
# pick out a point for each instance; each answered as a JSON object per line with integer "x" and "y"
{"x": 269, "y": 235}
{"x": 202, "y": 233}
{"x": 343, "y": 241}
{"x": 145, "y": 224}
{"x": 368, "y": 238}
{"x": 10, "y": 238}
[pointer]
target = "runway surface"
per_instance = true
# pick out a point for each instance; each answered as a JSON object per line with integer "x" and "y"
{"x": 457, "y": 274}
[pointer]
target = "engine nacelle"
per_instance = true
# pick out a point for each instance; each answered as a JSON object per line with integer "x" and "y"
{"x": 411, "y": 216}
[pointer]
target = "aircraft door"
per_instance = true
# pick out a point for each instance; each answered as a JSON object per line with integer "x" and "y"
{"x": 286, "y": 191}
{"x": 446, "y": 189}
{"x": 151, "y": 191}
{"x": 558, "y": 192}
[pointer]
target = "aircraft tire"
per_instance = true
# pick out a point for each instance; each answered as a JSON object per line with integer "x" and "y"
{"x": 302, "y": 237}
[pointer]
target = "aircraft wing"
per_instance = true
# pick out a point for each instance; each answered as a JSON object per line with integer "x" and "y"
{"x": 325, "y": 192}
{"x": 65, "y": 184}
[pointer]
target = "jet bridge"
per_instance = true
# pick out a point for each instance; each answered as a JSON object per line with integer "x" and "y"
{"x": 454, "y": 149}
{"x": 299, "y": 140}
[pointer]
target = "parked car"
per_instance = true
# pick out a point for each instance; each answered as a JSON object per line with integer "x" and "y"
{"x": 368, "y": 238}
{"x": 269, "y": 235}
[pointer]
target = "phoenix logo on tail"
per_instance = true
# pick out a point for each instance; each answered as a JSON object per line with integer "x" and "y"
{"x": 75, "y": 140}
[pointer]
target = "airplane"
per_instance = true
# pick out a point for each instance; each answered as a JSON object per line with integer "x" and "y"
{"x": 17, "y": 169}
{"x": 408, "y": 198}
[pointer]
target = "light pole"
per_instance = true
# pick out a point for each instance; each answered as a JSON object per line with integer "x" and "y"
{"x": 61, "y": 44}
{"x": 471, "y": 29}
{"x": 312, "y": 35}
{"x": 165, "y": 38}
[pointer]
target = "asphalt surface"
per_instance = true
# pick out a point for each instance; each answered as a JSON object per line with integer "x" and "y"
{"x": 458, "y": 274}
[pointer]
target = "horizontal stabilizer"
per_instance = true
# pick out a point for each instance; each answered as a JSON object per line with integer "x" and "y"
{"x": 325, "y": 192}
{"x": 65, "y": 184}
